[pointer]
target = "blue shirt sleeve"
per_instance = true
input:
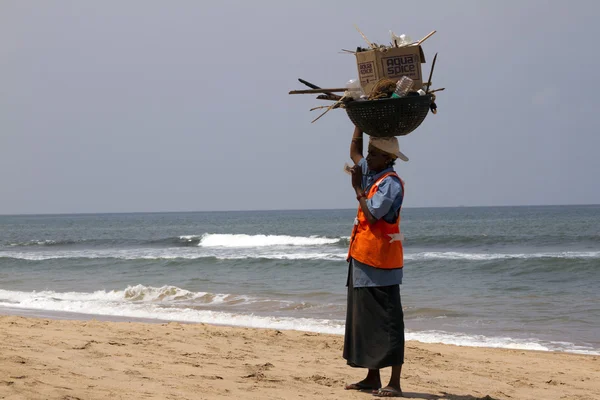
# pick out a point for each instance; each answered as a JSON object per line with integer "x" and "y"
{"x": 365, "y": 171}
{"x": 385, "y": 200}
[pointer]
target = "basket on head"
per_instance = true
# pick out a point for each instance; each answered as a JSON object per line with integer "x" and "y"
{"x": 389, "y": 117}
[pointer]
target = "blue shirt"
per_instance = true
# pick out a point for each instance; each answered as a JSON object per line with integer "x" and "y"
{"x": 385, "y": 204}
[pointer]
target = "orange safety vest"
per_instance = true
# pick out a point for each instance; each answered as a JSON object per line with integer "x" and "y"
{"x": 378, "y": 245}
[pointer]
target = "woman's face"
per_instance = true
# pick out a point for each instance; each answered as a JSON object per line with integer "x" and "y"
{"x": 377, "y": 160}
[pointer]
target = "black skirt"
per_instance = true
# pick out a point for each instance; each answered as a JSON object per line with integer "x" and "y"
{"x": 374, "y": 335}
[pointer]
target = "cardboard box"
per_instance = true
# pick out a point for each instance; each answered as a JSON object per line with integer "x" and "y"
{"x": 393, "y": 63}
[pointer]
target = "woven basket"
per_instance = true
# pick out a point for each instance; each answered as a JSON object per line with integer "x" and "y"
{"x": 389, "y": 117}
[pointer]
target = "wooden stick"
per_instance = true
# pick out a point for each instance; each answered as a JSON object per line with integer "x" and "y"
{"x": 364, "y": 37}
{"x": 426, "y": 37}
{"x": 329, "y": 109}
{"x": 311, "y": 91}
{"x": 326, "y": 96}
{"x": 316, "y": 108}
{"x": 307, "y": 83}
{"x": 333, "y": 97}
{"x": 431, "y": 73}
{"x": 437, "y": 90}
{"x": 349, "y": 51}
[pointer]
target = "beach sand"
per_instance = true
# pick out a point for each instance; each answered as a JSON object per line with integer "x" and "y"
{"x": 69, "y": 360}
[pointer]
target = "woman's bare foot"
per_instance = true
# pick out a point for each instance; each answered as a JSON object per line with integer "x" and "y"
{"x": 388, "y": 391}
{"x": 365, "y": 384}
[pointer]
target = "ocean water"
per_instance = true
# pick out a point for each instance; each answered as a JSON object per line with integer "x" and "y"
{"x": 512, "y": 277}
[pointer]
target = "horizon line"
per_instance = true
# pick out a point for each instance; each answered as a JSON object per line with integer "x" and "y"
{"x": 279, "y": 209}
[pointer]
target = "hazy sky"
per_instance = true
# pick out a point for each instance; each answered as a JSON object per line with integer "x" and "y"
{"x": 117, "y": 106}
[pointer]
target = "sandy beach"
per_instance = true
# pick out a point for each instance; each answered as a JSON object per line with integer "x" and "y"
{"x": 69, "y": 360}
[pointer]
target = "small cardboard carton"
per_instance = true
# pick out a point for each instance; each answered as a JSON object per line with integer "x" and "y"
{"x": 392, "y": 63}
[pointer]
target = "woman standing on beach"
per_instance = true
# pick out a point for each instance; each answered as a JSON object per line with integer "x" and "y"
{"x": 374, "y": 337}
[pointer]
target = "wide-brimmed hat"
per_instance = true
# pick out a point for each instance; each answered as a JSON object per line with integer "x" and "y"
{"x": 388, "y": 145}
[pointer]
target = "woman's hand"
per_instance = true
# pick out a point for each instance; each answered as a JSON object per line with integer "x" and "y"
{"x": 356, "y": 177}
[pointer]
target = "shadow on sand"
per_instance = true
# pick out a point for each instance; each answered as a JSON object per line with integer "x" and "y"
{"x": 445, "y": 396}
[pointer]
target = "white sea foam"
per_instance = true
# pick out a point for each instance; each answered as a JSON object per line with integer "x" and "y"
{"x": 452, "y": 255}
{"x": 170, "y": 303}
{"x": 189, "y": 238}
{"x": 176, "y": 253}
{"x": 460, "y": 339}
{"x": 292, "y": 256}
{"x": 241, "y": 240}
{"x": 137, "y": 294}
{"x": 131, "y": 293}
{"x": 274, "y": 252}
{"x": 155, "y": 306}
{"x": 34, "y": 243}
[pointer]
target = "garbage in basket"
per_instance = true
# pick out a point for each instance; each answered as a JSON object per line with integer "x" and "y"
{"x": 390, "y": 97}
